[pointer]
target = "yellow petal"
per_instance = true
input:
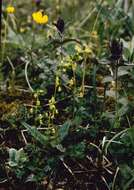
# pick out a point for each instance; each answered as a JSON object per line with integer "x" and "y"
{"x": 45, "y": 19}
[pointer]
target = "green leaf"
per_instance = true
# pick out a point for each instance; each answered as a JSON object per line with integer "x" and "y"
{"x": 36, "y": 134}
{"x": 77, "y": 151}
{"x": 16, "y": 157}
{"x": 64, "y": 129}
{"x": 12, "y": 157}
{"x": 131, "y": 135}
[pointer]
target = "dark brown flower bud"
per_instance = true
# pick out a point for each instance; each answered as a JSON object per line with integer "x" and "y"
{"x": 116, "y": 49}
{"x": 60, "y": 25}
{"x": 37, "y": 2}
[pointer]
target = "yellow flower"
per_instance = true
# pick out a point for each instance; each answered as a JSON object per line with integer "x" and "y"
{"x": 88, "y": 50}
{"x": 74, "y": 66}
{"x": 78, "y": 48}
{"x": 94, "y": 34}
{"x": 71, "y": 82}
{"x": 57, "y": 82}
{"x": 10, "y": 9}
{"x": 59, "y": 89}
{"x": 22, "y": 30}
{"x": 81, "y": 95}
{"x": 39, "y": 18}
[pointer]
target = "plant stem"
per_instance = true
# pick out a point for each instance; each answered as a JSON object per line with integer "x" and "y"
{"x": 116, "y": 86}
{"x": 0, "y": 24}
{"x": 116, "y": 95}
{"x": 104, "y": 100}
{"x": 26, "y": 76}
{"x": 5, "y": 38}
{"x": 116, "y": 83}
{"x": 12, "y": 75}
{"x": 94, "y": 82}
{"x": 83, "y": 77}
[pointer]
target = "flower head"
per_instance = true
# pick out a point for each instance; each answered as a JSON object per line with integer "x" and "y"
{"x": 37, "y": 2}
{"x": 60, "y": 25}
{"x": 116, "y": 48}
{"x": 94, "y": 34}
{"x": 39, "y": 17}
{"x": 10, "y": 9}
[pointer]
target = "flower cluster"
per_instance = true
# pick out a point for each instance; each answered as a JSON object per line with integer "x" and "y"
{"x": 52, "y": 107}
{"x": 39, "y": 17}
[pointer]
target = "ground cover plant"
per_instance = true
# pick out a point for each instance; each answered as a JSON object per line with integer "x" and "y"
{"x": 67, "y": 95}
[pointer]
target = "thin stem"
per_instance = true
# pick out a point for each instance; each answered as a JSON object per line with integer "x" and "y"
{"x": 50, "y": 119}
{"x": 87, "y": 18}
{"x": 5, "y": 38}
{"x": 74, "y": 89}
{"x": 116, "y": 85}
{"x": 83, "y": 78}
{"x": 115, "y": 176}
{"x": 61, "y": 58}
{"x": 96, "y": 20}
{"x": 113, "y": 138}
{"x": 13, "y": 75}
{"x": 94, "y": 82}
{"x": 104, "y": 100}
{"x": 0, "y": 23}
{"x": 116, "y": 94}
{"x": 26, "y": 76}
{"x": 27, "y": 63}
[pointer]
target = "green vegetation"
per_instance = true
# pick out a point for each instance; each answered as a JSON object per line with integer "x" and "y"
{"x": 67, "y": 95}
